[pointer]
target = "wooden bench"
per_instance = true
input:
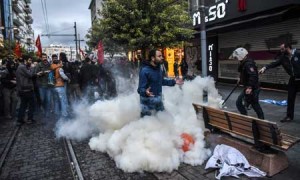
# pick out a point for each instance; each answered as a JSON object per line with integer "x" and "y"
{"x": 260, "y": 131}
{"x": 269, "y": 142}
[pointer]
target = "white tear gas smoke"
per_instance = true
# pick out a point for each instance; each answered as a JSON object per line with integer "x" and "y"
{"x": 152, "y": 143}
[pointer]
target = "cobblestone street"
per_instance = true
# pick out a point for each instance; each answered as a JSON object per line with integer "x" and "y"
{"x": 36, "y": 154}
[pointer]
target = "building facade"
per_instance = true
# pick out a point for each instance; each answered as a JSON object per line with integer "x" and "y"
{"x": 259, "y": 26}
{"x": 95, "y": 7}
{"x": 16, "y": 21}
{"x": 57, "y": 49}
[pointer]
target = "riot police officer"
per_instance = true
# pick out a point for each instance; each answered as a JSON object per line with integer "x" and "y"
{"x": 249, "y": 79}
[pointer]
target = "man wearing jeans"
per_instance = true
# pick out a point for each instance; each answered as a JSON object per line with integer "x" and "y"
{"x": 43, "y": 68}
{"x": 59, "y": 86}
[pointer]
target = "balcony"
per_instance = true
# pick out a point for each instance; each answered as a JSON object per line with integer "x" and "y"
{"x": 29, "y": 41}
{"x": 28, "y": 1}
{"x": 28, "y": 19}
{"x": 30, "y": 31}
{"x": 18, "y": 36}
{"x": 27, "y": 9}
{"x": 17, "y": 21}
{"x": 16, "y": 30}
{"x": 16, "y": 6}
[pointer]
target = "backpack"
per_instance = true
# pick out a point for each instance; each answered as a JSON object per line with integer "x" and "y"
{"x": 51, "y": 78}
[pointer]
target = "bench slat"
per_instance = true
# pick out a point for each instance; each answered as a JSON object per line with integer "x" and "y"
{"x": 249, "y": 124}
{"x": 288, "y": 139}
{"x": 245, "y": 123}
{"x": 239, "y": 129}
{"x": 263, "y": 140}
{"x": 239, "y": 116}
{"x": 264, "y": 131}
{"x": 243, "y": 119}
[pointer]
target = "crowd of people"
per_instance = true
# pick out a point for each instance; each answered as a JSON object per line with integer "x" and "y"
{"x": 50, "y": 85}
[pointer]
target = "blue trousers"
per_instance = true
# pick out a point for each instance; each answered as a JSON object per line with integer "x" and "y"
{"x": 149, "y": 104}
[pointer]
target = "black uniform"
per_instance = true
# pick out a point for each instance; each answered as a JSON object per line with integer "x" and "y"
{"x": 249, "y": 78}
{"x": 292, "y": 66}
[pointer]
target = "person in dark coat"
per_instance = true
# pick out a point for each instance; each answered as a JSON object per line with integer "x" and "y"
{"x": 89, "y": 79}
{"x": 184, "y": 68}
{"x": 88, "y": 74}
{"x": 176, "y": 68}
{"x": 289, "y": 59}
{"x": 249, "y": 79}
{"x": 9, "y": 90}
{"x": 25, "y": 88}
{"x": 74, "y": 87}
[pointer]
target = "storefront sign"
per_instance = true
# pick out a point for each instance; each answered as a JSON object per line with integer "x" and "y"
{"x": 210, "y": 58}
{"x": 225, "y": 10}
{"x": 215, "y": 12}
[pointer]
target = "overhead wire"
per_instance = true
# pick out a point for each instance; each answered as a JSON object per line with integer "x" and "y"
{"x": 46, "y": 10}
{"x": 45, "y": 14}
{"x": 62, "y": 30}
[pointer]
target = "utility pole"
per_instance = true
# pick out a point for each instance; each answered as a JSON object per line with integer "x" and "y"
{"x": 203, "y": 39}
{"x": 203, "y": 46}
{"x": 79, "y": 43}
{"x": 76, "y": 39}
{"x": 10, "y": 28}
{"x": 75, "y": 35}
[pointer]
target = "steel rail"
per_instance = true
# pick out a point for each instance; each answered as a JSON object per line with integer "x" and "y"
{"x": 8, "y": 147}
{"x": 73, "y": 160}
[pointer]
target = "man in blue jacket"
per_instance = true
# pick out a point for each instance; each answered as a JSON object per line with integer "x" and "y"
{"x": 151, "y": 80}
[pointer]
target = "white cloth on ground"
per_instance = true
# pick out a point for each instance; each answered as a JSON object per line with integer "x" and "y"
{"x": 231, "y": 162}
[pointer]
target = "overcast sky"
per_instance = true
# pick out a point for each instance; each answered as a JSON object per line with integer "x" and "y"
{"x": 61, "y": 17}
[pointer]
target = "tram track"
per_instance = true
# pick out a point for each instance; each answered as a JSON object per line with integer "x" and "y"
{"x": 33, "y": 152}
{"x": 8, "y": 147}
{"x": 74, "y": 165}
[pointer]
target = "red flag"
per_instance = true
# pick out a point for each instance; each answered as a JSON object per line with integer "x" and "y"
{"x": 100, "y": 53}
{"x": 39, "y": 46}
{"x": 17, "y": 50}
{"x": 82, "y": 52}
{"x": 242, "y": 5}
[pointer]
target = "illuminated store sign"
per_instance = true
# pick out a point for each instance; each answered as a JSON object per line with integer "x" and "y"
{"x": 210, "y": 58}
{"x": 215, "y": 12}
